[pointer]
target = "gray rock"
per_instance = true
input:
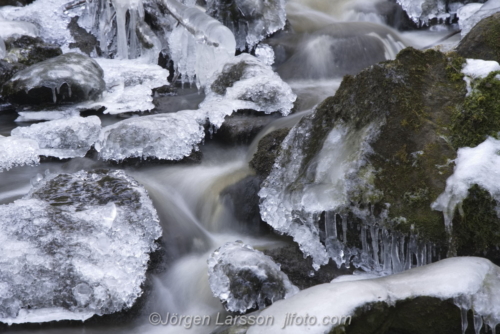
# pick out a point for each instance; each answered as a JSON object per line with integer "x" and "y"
{"x": 483, "y": 41}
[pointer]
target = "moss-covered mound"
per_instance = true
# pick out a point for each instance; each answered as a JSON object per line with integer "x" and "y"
{"x": 483, "y": 41}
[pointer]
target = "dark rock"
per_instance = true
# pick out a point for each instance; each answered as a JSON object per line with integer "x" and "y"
{"x": 242, "y": 201}
{"x": 230, "y": 75}
{"x": 16, "y": 3}
{"x": 29, "y": 50}
{"x": 7, "y": 70}
{"x": 483, "y": 41}
{"x": 268, "y": 149}
{"x": 300, "y": 270}
{"x": 84, "y": 40}
{"x": 71, "y": 77}
{"x": 241, "y": 129}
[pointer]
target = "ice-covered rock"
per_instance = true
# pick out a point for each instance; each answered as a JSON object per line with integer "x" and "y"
{"x": 250, "y": 20}
{"x": 245, "y": 279}
{"x": 475, "y": 281}
{"x": 163, "y": 136}
{"x": 480, "y": 42}
{"x": 14, "y": 28}
{"x": 29, "y": 50}
{"x": 76, "y": 245}
{"x": 66, "y": 78}
{"x": 473, "y": 13}
{"x": 422, "y": 11}
{"x": 63, "y": 138}
{"x": 17, "y": 152}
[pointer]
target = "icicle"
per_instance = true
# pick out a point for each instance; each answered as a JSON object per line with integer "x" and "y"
{"x": 374, "y": 236}
{"x": 465, "y": 304}
{"x": 54, "y": 97}
{"x": 478, "y": 323}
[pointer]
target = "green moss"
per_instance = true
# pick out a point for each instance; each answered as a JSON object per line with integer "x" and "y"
{"x": 477, "y": 227}
{"x": 479, "y": 116}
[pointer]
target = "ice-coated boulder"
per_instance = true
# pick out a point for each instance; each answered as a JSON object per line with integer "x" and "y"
{"x": 30, "y": 50}
{"x": 16, "y": 151}
{"x": 245, "y": 279}
{"x": 70, "y": 77}
{"x": 63, "y": 138}
{"x": 163, "y": 136}
{"x": 76, "y": 245}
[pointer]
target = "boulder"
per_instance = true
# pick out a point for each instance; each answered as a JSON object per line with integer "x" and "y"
{"x": 71, "y": 77}
{"x": 28, "y": 50}
{"x": 268, "y": 149}
{"x": 483, "y": 41}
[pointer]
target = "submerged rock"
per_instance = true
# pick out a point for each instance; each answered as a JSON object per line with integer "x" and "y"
{"x": 245, "y": 279}
{"x": 268, "y": 149}
{"x": 240, "y": 128}
{"x": 483, "y": 41}
{"x": 71, "y": 77}
{"x": 63, "y": 138}
{"x": 76, "y": 245}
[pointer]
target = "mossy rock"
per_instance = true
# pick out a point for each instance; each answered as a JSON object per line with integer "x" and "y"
{"x": 483, "y": 41}
{"x": 268, "y": 149}
{"x": 29, "y": 50}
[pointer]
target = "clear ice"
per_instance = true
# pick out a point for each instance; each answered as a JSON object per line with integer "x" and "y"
{"x": 76, "y": 245}
{"x": 244, "y": 278}
{"x": 63, "y": 138}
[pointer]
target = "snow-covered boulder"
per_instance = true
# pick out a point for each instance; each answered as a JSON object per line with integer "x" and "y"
{"x": 63, "y": 138}
{"x": 70, "y": 77}
{"x": 245, "y": 279}
{"x": 76, "y": 245}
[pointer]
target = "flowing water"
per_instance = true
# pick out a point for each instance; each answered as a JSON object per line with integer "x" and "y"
{"x": 330, "y": 39}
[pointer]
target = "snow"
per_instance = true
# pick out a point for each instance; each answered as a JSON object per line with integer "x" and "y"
{"x": 83, "y": 250}
{"x": 478, "y": 68}
{"x": 473, "y": 279}
{"x": 163, "y": 136}
{"x": 63, "y": 138}
{"x": 475, "y": 13}
{"x": 13, "y": 28}
{"x": 17, "y": 152}
{"x": 473, "y": 165}
{"x": 244, "y": 278}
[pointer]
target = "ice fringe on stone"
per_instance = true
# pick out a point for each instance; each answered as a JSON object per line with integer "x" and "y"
{"x": 245, "y": 279}
{"x": 475, "y": 279}
{"x": 83, "y": 250}
{"x": 175, "y": 136}
{"x": 163, "y": 136}
{"x": 250, "y": 21}
{"x": 422, "y": 11}
{"x": 200, "y": 45}
{"x": 63, "y": 138}
{"x": 473, "y": 13}
{"x": 476, "y": 69}
{"x": 473, "y": 165}
{"x": 17, "y": 152}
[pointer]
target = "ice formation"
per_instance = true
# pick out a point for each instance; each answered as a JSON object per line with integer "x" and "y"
{"x": 71, "y": 77}
{"x": 17, "y": 152}
{"x": 471, "y": 14}
{"x": 200, "y": 45}
{"x": 250, "y": 21}
{"x": 422, "y": 11}
{"x": 13, "y": 28}
{"x": 3, "y": 51}
{"x": 83, "y": 250}
{"x": 35, "y": 116}
{"x": 163, "y": 136}
{"x": 63, "y": 138}
{"x": 129, "y": 85}
{"x": 476, "y": 165}
{"x": 245, "y": 279}
{"x": 298, "y": 199}
{"x": 476, "y": 69}
{"x": 475, "y": 281}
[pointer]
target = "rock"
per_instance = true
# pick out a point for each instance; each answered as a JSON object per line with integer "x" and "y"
{"x": 86, "y": 241}
{"x": 71, "y": 77}
{"x": 245, "y": 279}
{"x": 483, "y": 41}
{"x": 268, "y": 149}
{"x": 377, "y": 152}
{"x": 7, "y": 70}
{"x": 84, "y": 40}
{"x": 300, "y": 270}
{"x": 239, "y": 128}
{"x": 17, "y": 3}
{"x": 29, "y": 50}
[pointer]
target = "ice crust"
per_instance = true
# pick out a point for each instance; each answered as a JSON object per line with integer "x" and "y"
{"x": 175, "y": 136}
{"x": 253, "y": 20}
{"x": 244, "y": 278}
{"x": 76, "y": 245}
{"x": 13, "y": 28}
{"x": 472, "y": 13}
{"x": 475, "y": 281}
{"x": 422, "y": 11}
{"x": 473, "y": 165}
{"x": 17, "y": 152}
{"x": 63, "y": 138}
